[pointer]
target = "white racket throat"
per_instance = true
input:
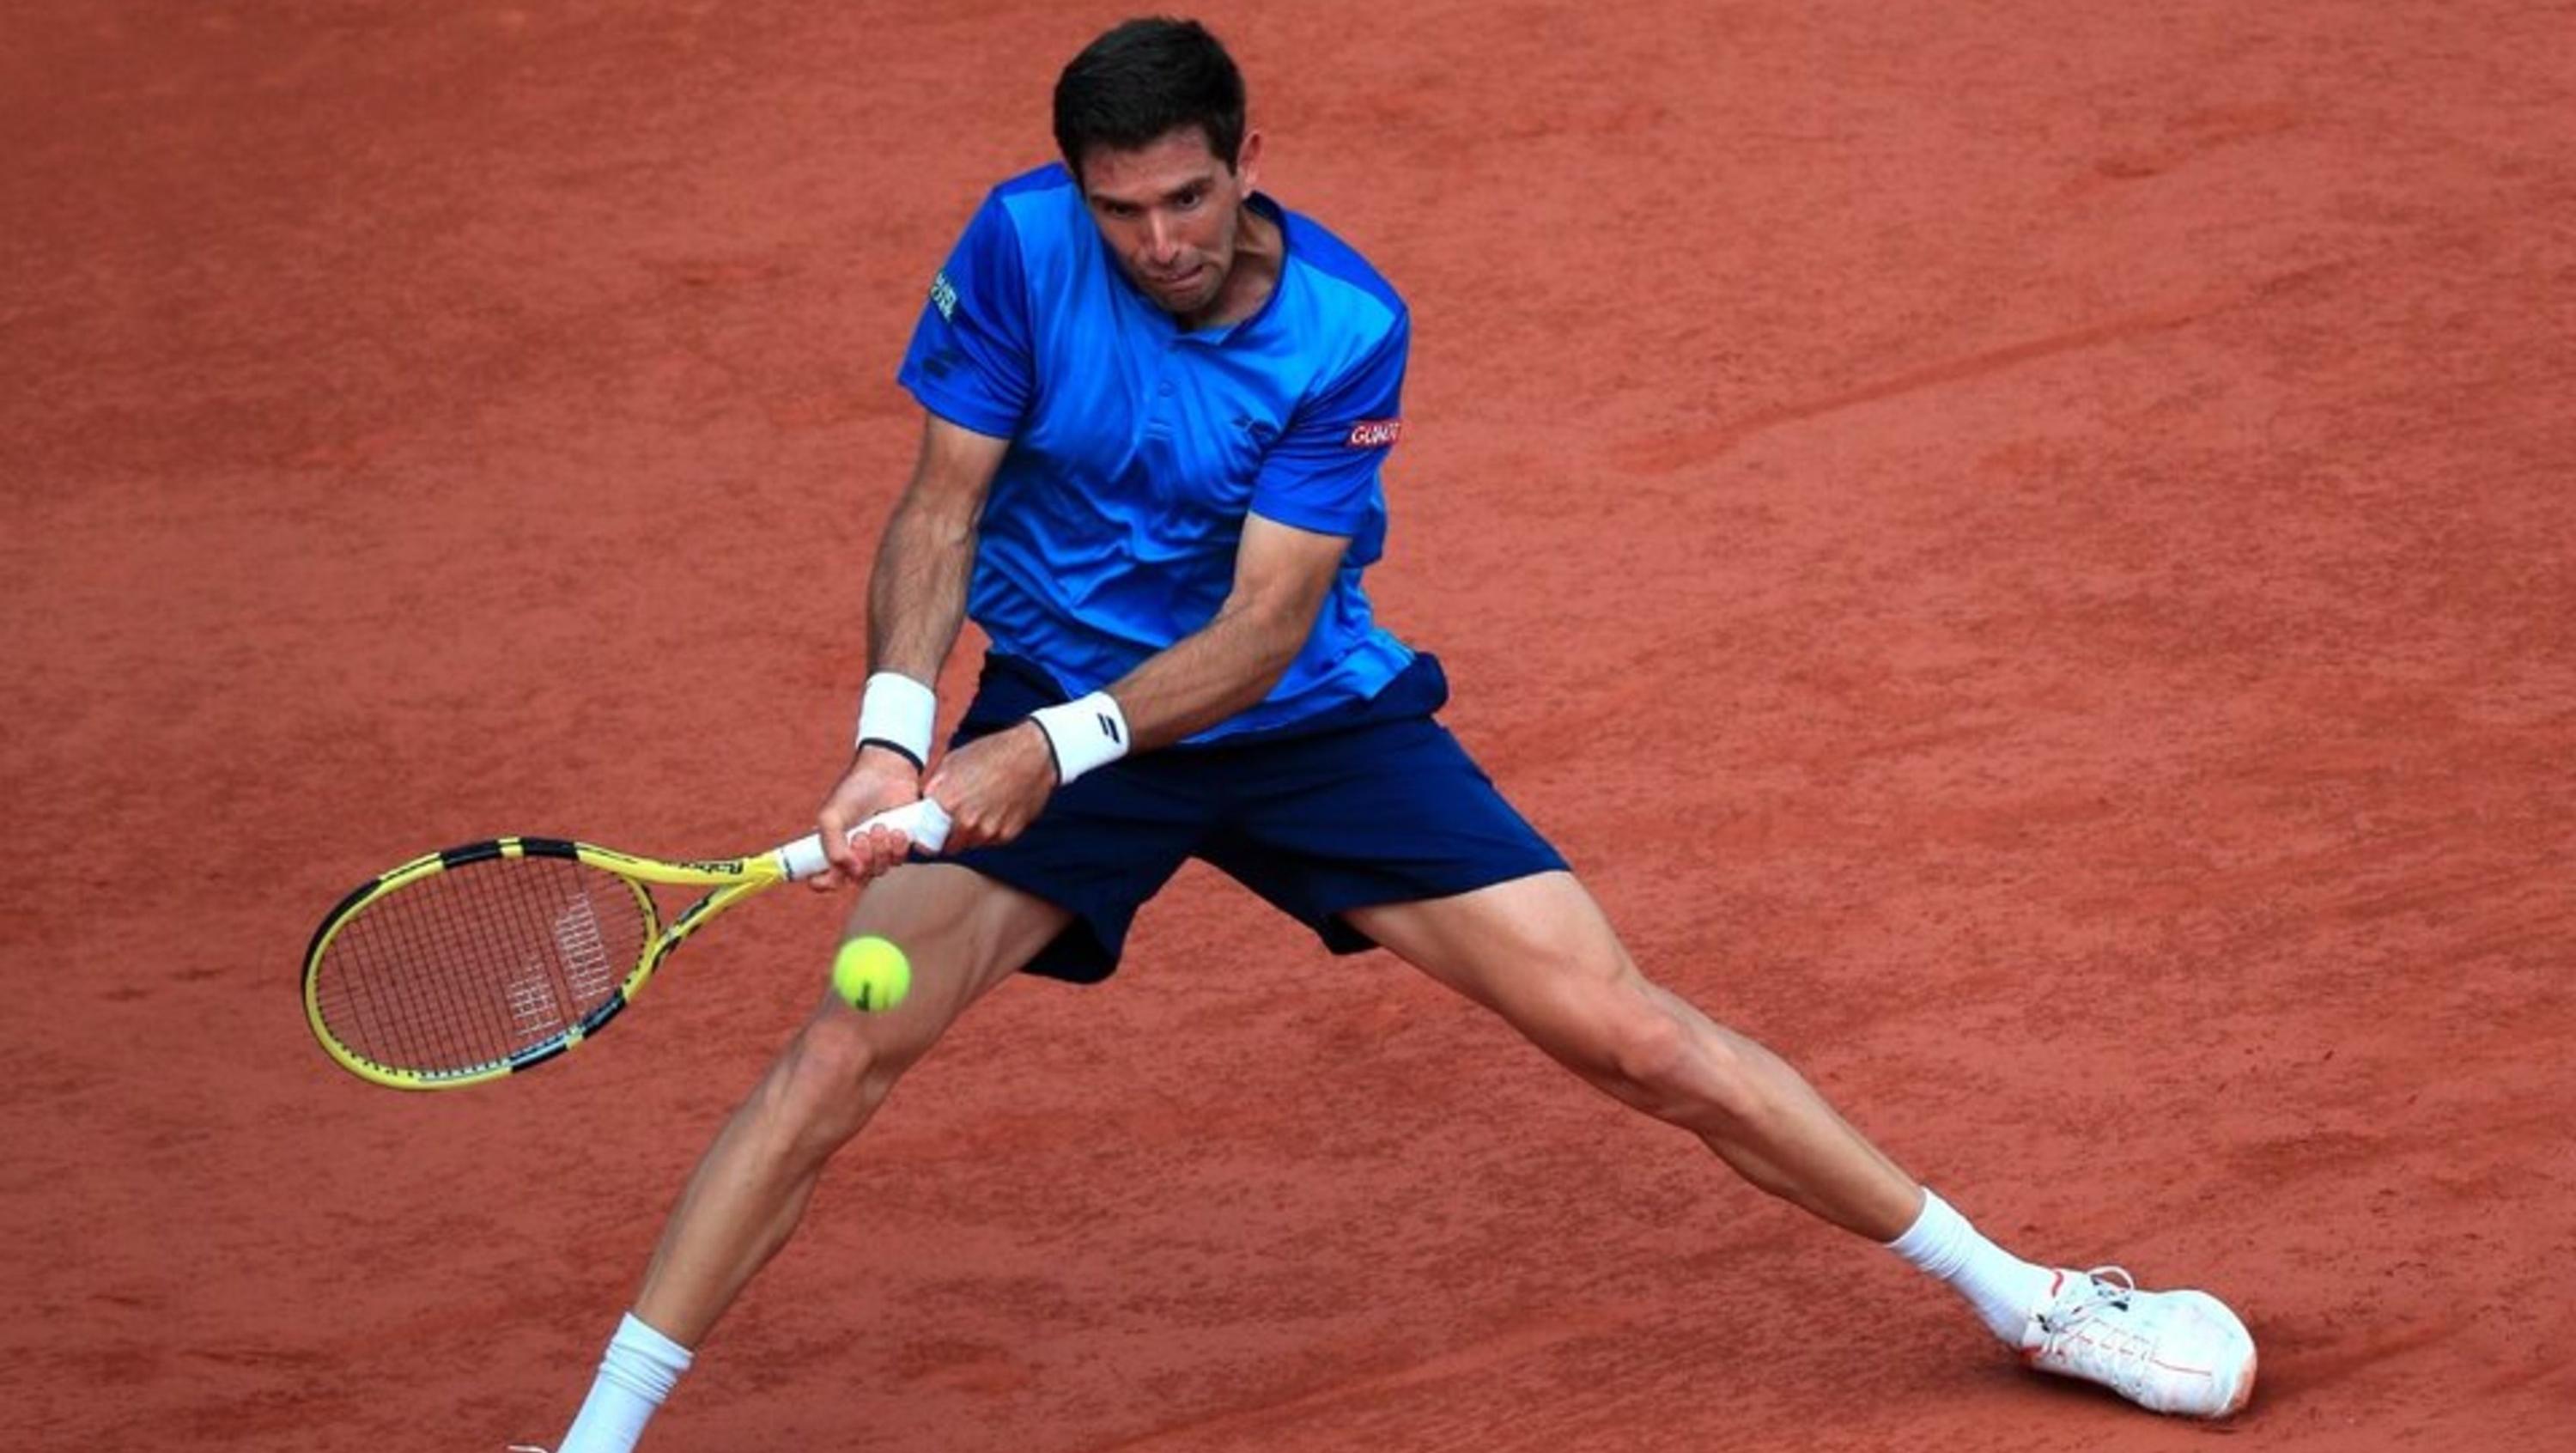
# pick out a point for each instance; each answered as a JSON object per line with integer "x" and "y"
{"x": 925, "y": 822}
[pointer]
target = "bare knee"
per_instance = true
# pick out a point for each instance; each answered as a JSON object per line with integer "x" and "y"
{"x": 1634, "y": 1040}
{"x": 1539, "y": 951}
{"x": 1657, "y": 1054}
{"x": 825, "y": 1087}
{"x": 1645, "y": 1050}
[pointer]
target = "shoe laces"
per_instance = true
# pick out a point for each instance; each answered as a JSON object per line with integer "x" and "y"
{"x": 2075, "y": 1330}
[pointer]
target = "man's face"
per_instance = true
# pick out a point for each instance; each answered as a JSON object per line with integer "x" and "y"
{"x": 1169, "y": 212}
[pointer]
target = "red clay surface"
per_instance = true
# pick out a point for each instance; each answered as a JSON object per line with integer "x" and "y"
{"x": 2024, "y": 549}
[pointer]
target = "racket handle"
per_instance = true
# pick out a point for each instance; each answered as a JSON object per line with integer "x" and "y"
{"x": 925, "y": 822}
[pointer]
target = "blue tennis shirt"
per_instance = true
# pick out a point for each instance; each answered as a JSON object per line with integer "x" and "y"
{"x": 1137, "y": 447}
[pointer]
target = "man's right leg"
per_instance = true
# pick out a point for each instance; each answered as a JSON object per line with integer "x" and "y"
{"x": 965, "y": 933}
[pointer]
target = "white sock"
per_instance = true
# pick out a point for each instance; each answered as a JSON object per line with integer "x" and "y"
{"x": 638, "y": 1372}
{"x": 2003, "y": 1288}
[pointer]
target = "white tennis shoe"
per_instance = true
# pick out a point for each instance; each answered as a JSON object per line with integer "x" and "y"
{"x": 2178, "y": 1352}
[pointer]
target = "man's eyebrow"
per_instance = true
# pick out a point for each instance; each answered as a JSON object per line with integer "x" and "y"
{"x": 1195, "y": 184}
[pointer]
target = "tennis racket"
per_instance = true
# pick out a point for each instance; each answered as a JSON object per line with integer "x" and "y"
{"x": 481, "y": 961}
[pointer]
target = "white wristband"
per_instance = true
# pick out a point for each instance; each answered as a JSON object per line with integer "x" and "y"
{"x": 1088, "y": 733}
{"x": 898, "y": 712}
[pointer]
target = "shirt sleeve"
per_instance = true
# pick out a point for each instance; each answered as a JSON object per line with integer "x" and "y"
{"x": 1322, "y": 473}
{"x": 970, "y": 359}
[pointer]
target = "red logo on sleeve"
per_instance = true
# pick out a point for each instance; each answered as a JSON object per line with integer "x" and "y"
{"x": 1376, "y": 433}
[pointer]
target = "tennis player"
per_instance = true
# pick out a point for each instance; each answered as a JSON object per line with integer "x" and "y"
{"x": 1157, "y": 407}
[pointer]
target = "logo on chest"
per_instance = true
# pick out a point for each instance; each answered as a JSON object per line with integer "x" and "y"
{"x": 1375, "y": 433}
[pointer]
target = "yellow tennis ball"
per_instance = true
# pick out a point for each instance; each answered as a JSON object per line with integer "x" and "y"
{"x": 871, "y": 973}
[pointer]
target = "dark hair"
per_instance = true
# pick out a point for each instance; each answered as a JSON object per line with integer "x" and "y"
{"x": 1142, "y": 79}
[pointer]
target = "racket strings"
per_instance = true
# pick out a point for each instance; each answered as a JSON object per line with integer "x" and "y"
{"x": 469, "y": 966}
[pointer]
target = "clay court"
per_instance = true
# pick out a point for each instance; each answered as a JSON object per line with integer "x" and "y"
{"x": 2025, "y": 551}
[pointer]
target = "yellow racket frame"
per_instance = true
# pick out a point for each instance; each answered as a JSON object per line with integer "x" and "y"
{"x": 733, "y": 880}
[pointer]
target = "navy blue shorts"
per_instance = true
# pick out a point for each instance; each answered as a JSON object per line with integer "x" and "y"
{"x": 1370, "y": 803}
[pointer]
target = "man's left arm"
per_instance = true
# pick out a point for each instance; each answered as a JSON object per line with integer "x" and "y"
{"x": 1227, "y": 667}
{"x": 996, "y": 786}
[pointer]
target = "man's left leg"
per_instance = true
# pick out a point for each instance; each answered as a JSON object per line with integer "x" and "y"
{"x": 1538, "y": 951}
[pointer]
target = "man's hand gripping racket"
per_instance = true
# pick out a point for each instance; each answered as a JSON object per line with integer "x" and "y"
{"x": 477, "y": 962}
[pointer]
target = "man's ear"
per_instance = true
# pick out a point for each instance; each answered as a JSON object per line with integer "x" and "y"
{"x": 1247, "y": 160}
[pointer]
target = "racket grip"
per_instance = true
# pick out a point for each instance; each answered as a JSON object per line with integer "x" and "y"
{"x": 925, "y": 822}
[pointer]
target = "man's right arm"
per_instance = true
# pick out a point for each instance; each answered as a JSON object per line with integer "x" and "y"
{"x": 917, "y": 592}
{"x": 916, "y": 602}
